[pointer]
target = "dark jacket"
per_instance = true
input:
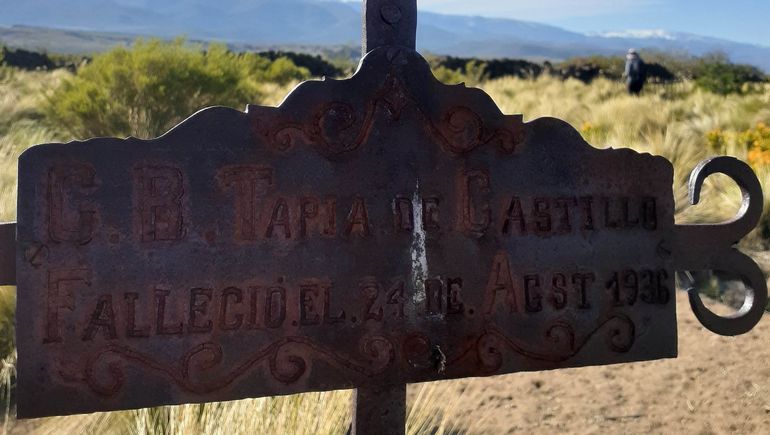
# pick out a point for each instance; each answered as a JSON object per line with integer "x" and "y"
{"x": 635, "y": 69}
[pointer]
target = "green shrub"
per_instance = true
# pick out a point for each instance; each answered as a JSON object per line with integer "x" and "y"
{"x": 5, "y": 73}
{"x": 283, "y": 71}
{"x": 315, "y": 64}
{"x": 716, "y": 74}
{"x": 147, "y": 89}
{"x": 611, "y": 67}
{"x": 476, "y": 72}
{"x": 454, "y": 70}
{"x": 589, "y": 68}
{"x": 448, "y": 76}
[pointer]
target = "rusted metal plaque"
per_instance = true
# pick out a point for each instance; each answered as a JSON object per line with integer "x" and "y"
{"x": 376, "y": 231}
{"x": 382, "y": 230}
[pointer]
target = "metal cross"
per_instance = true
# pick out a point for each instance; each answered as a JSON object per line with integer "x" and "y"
{"x": 388, "y": 131}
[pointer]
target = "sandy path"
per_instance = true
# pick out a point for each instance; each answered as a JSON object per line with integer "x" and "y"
{"x": 717, "y": 385}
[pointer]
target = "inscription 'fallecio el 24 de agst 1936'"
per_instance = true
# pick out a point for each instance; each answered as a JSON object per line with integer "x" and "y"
{"x": 380, "y": 230}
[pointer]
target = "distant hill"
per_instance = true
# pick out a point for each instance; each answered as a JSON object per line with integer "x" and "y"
{"x": 327, "y": 22}
{"x": 85, "y": 43}
{"x": 60, "y": 41}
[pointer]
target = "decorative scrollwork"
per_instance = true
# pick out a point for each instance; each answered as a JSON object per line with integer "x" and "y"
{"x": 621, "y": 334}
{"x": 489, "y": 352}
{"x": 343, "y": 125}
{"x": 489, "y": 347}
{"x": 201, "y": 358}
{"x": 115, "y": 377}
{"x": 287, "y": 363}
{"x": 288, "y": 137}
{"x": 339, "y": 129}
{"x": 561, "y": 334}
{"x": 462, "y": 130}
{"x": 394, "y": 97}
{"x": 196, "y": 370}
{"x": 417, "y": 351}
{"x": 380, "y": 352}
{"x": 505, "y": 140}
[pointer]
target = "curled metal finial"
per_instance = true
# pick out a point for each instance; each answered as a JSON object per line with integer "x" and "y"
{"x": 753, "y": 305}
{"x": 751, "y": 191}
{"x": 711, "y": 247}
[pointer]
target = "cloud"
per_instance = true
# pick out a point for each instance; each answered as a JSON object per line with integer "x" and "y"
{"x": 539, "y": 10}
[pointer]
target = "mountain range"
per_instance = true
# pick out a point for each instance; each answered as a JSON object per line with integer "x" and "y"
{"x": 330, "y": 22}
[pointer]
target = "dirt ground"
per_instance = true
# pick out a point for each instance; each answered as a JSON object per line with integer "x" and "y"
{"x": 717, "y": 385}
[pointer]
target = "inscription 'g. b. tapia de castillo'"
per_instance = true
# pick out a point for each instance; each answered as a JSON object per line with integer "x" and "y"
{"x": 380, "y": 230}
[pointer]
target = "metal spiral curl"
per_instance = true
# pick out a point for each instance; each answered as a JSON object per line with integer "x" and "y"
{"x": 712, "y": 247}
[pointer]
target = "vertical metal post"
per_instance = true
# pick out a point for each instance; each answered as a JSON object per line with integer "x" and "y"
{"x": 379, "y": 411}
{"x": 382, "y": 410}
{"x": 389, "y": 22}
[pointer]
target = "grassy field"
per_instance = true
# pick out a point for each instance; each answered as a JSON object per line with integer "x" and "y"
{"x": 678, "y": 122}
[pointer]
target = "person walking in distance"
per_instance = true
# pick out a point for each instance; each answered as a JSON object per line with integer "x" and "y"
{"x": 635, "y": 73}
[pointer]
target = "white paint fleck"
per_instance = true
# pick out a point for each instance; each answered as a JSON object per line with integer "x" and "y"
{"x": 419, "y": 254}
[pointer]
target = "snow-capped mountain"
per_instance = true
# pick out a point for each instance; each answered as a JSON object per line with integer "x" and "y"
{"x": 642, "y": 34}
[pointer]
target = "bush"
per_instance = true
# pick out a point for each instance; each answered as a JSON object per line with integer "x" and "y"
{"x": 476, "y": 72}
{"x": 6, "y": 73}
{"x": 448, "y": 76}
{"x": 682, "y": 66}
{"x": 454, "y": 70}
{"x": 610, "y": 67}
{"x": 716, "y": 74}
{"x": 488, "y": 69}
{"x": 318, "y": 66}
{"x": 27, "y": 60}
{"x": 755, "y": 142}
{"x": 283, "y": 71}
{"x": 147, "y": 89}
{"x": 587, "y": 69}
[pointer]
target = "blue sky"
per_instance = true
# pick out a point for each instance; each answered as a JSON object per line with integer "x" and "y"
{"x": 739, "y": 20}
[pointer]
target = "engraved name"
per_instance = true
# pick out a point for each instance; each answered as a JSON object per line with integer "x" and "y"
{"x": 262, "y": 210}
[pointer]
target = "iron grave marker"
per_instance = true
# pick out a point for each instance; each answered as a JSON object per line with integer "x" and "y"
{"x": 368, "y": 233}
